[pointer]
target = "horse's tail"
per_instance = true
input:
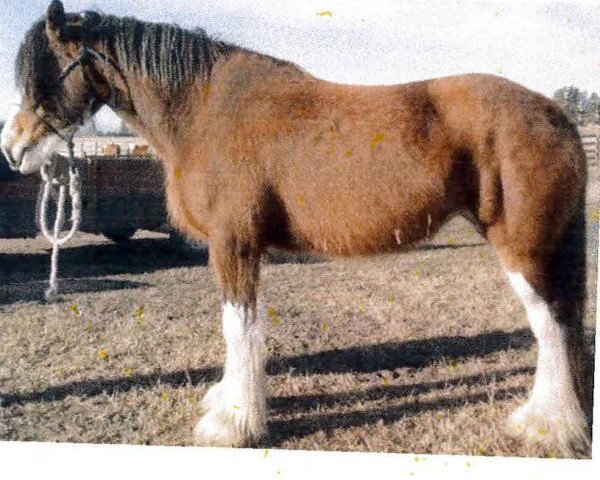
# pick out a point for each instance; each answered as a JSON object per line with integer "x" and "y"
{"x": 569, "y": 268}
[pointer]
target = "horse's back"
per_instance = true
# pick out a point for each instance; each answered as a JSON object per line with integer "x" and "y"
{"x": 388, "y": 174}
{"x": 362, "y": 169}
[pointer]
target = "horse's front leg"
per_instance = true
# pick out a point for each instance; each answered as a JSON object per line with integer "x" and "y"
{"x": 235, "y": 408}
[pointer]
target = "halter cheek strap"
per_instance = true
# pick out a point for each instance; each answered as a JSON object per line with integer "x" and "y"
{"x": 87, "y": 57}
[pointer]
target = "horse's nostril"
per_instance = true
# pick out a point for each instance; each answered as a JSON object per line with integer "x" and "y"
{"x": 10, "y": 159}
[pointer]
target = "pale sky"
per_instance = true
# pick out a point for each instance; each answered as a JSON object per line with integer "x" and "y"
{"x": 542, "y": 44}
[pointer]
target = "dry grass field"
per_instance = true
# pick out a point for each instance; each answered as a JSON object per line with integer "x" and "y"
{"x": 424, "y": 352}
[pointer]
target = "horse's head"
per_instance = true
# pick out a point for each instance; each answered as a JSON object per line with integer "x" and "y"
{"x": 54, "y": 98}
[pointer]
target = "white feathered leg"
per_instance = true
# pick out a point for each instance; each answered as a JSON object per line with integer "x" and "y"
{"x": 236, "y": 406}
{"x": 553, "y": 413}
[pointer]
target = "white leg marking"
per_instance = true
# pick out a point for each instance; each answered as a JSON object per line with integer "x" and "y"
{"x": 552, "y": 410}
{"x": 553, "y": 366}
{"x": 236, "y": 406}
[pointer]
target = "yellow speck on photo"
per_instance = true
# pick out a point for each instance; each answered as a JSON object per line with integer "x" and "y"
{"x": 75, "y": 309}
{"x": 164, "y": 396}
{"x": 128, "y": 372}
{"x": 377, "y": 139}
{"x": 325, "y": 13}
{"x": 103, "y": 354}
{"x": 273, "y": 315}
{"x": 139, "y": 314}
{"x": 266, "y": 452}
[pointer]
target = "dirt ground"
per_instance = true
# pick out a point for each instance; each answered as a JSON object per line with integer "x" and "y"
{"x": 424, "y": 352}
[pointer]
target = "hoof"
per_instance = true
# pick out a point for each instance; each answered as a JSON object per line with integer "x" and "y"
{"x": 218, "y": 429}
{"x": 212, "y": 398}
{"x": 565, "y": 431}
{"x": 227, "y": 422}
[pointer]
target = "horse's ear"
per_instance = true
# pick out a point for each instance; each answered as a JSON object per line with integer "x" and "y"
{"x": 56, "y": 20}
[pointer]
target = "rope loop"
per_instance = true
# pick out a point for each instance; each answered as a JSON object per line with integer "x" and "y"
{"x": 53, "y": 182}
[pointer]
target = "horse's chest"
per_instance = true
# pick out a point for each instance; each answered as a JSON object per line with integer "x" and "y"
{"x": 187, "y": 202}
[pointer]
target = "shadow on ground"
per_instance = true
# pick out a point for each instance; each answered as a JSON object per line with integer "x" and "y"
{"x": 366, "y": 359}
{"x": 413, "y": 353}
{"x": 23, "y": 275}
{"x": 34, "y": 291}
{"x": 136, "y": 256}
{"x": 282, "y": 430}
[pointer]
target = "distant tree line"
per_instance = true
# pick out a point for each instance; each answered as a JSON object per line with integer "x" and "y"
{"x": 581, "y": 107}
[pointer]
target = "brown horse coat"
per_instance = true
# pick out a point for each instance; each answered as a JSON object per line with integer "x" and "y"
{"x": 260, "y": 153}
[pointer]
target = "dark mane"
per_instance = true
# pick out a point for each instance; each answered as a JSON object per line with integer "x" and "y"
{"x": 36, "y": 67}
{"x": 171, "y": 56}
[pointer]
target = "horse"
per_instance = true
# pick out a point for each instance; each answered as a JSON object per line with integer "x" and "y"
{"x": 259, "y": 153}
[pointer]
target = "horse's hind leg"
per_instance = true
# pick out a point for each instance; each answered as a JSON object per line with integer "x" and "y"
{"x": 235, "y": 408}
{"x": 550, "y": 281}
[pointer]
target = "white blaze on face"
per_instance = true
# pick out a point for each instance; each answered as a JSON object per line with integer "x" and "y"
{"x": 17, "y": 147}
{"x": 7, "y": 130}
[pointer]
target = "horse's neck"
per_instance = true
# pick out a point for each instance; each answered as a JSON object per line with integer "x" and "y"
{"x": 151, "y": 117}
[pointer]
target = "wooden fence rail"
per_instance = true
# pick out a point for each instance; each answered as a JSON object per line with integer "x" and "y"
{"x": 591, "y": 145}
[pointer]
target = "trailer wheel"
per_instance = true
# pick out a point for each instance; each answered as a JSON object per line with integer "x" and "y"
{"x": 122, "y": 235}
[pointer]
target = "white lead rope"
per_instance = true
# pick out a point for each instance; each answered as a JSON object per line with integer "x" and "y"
{"x": 51, "y": 181}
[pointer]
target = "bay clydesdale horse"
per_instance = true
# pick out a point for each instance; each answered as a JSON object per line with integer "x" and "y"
{"x": 259, "y": 153}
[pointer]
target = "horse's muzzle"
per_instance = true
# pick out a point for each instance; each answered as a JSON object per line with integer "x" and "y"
{"x": 15, "y": 161}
